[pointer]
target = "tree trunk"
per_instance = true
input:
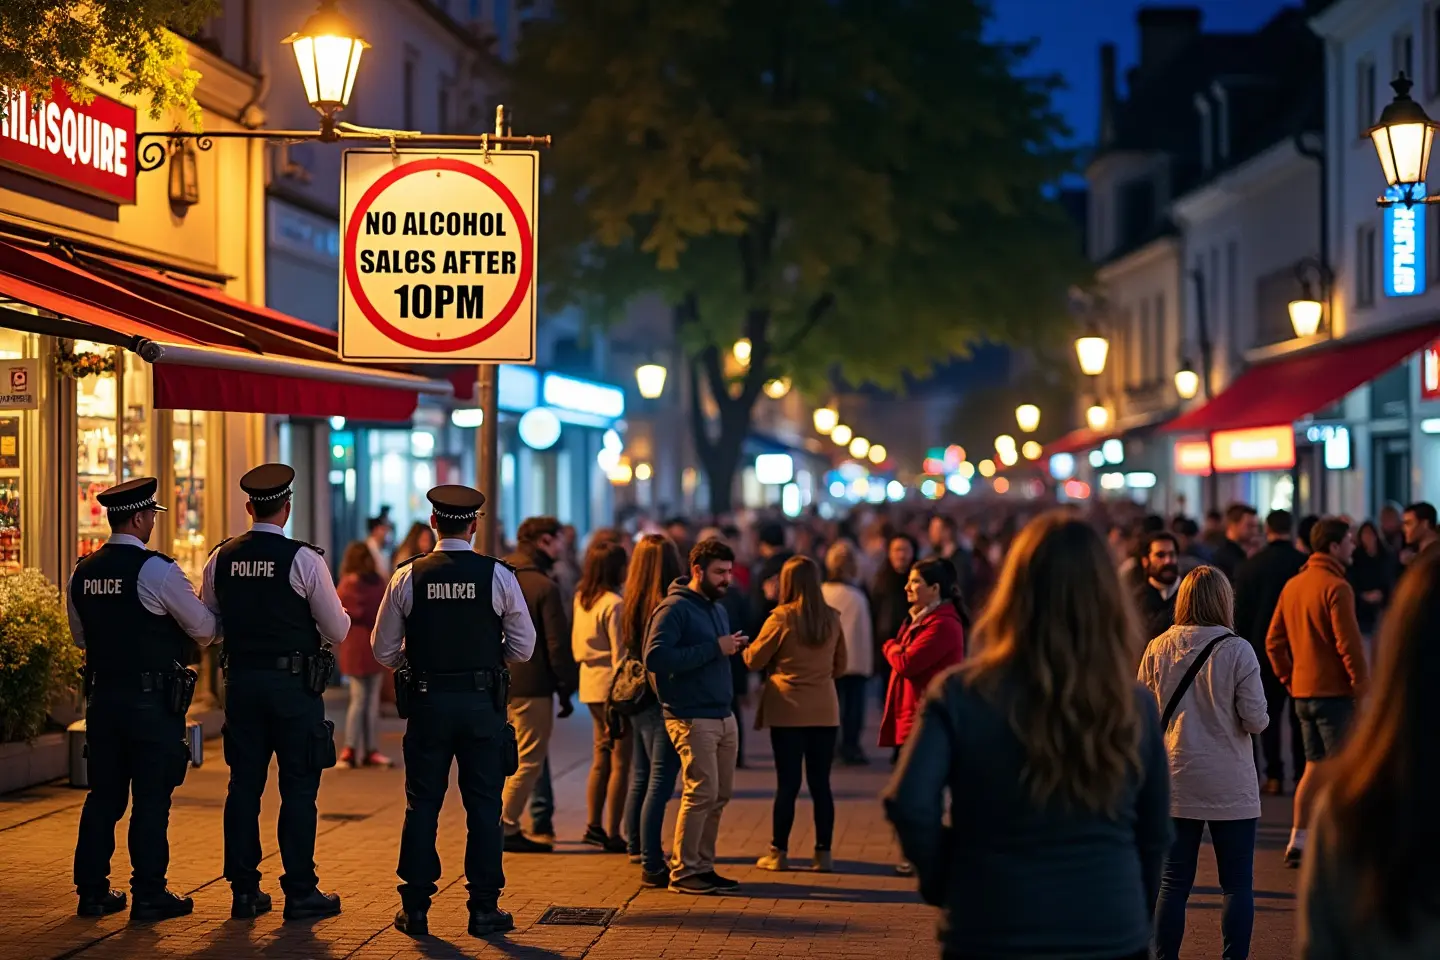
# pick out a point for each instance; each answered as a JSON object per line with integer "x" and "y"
{"x": 720, "y": 455}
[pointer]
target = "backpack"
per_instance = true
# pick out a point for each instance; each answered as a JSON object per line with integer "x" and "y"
{"x": 630, "y": 689}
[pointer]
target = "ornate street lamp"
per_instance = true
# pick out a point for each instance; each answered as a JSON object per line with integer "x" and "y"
{"x": 650, "y": 378}
{"x": 1187, "y": 381}
{"x": 327, "y": 50}
{"x": 1027, "y": 415}
{"x": 1403, "y": 139}
{"x": 1092, "y": 349}
{"x": 826, "y": 419}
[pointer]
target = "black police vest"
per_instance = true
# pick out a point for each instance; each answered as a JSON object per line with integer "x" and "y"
{"x": 260, "y": 611}
{"x": 453, "y": 626}
{"x": 121, "y": 636}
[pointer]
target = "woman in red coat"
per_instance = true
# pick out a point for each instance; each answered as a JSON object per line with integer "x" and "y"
{"x": 931, "y": 641}
{"x": 361, "y": 589}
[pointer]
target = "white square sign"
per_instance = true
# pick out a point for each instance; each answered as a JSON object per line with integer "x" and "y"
{"x": 437, "y": 256}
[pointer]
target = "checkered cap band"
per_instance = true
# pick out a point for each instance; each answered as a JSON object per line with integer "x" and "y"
{"x": 450, "y": 515}
{"x": 149, "y": 504}
{"x": 270, "y": 496}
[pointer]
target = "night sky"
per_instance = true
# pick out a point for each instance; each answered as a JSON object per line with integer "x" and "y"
{"x": 1071, "y": 31}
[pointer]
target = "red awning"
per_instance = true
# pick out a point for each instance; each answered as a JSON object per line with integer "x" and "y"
{"x": 209, "y": 353}
{"x": 1284, "y": 390}
{"x": 1075, "y": 441}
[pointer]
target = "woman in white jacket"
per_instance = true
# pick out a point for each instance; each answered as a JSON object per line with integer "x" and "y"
{"x": 1212, "y": 757}
{"x": 853, "y": 607}
{"x": 597, "y": 646}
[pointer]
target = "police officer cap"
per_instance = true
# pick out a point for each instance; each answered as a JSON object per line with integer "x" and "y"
{"x": 131, "y": 496}
{"x": 268, "y": 482}
{"x": 455, "y": 502}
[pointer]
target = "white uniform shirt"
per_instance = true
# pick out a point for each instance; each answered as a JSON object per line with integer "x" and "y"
{"x": 309, "y": 578}
{"x": 388, "y": 637}
{"x": 163, "y": 588}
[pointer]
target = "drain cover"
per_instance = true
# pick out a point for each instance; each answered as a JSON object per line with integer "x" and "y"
{"x": 578, "y": 916}
{"x": 344, "y": 817}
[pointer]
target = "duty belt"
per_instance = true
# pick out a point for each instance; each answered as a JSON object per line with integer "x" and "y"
{"x": 291, "y": 663}
{"x": 149, "y": 682}
{"x": 456, "y": 682}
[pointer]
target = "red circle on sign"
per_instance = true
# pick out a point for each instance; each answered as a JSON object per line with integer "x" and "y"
{"x": 522, "y": 285}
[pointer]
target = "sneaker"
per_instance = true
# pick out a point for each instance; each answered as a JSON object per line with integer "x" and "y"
{"x": 719, "y": 882}
{"x": 824, "y": 862}
{"x": 347, "y": 759}
{"x": 655, "y": 881}
{"x": 1292, "y": 857}
{"x": 545, "y": 829}
{"x": 697, "y": 885}
{"x": 160, "y": 906}
{"x": 636, "y": 858}
{"x": 519, "y": 843}
{"x": 100, "y": 904}
{"x": 905, "y": 868}
{"x": 247, "y": 906}
{"x": 616, "y": 844}
{"x": 776, "y": 859}
{"x": 484, "y": 922}
{"x": 377, "y": 759}
{"x": 595, "y": 837}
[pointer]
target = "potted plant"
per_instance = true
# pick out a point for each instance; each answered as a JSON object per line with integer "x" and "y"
{"x": 39, "y": 662}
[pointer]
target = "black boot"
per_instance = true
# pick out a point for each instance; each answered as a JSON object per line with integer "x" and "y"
{"x": 416, "y": 922}
{"x": 487, "y": 920}
{"x": 312, "y": 906}
{"x": 246, "y": 906}
{"x": 160, "y": 906}
{"x": 100, "y": 904}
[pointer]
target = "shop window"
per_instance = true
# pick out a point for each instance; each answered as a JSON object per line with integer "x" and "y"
{"x": 189, "y": 453}
{"x": 135, "y": 461}
{"x": 13, "y": 346}
{"x": 98, "y": 465}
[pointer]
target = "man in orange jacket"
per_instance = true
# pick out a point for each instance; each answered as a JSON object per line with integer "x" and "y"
{"x": 1316, "y": 649}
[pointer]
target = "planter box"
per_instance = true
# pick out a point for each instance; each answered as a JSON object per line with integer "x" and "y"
{"x": 26, "y": 764}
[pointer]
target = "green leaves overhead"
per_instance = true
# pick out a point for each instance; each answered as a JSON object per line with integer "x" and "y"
{"x": 877, "y": 159}
{"x": 125, "y": 42}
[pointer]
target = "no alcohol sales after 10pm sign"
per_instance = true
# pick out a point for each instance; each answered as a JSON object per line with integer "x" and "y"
{"x": 438, "y": 256}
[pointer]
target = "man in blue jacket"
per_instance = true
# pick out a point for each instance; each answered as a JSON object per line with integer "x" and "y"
{"x": 686, "y": 651}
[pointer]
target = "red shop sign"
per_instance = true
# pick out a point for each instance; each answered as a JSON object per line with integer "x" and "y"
{"x": 88, "y": 147}
{"x": 1430, "y": 372}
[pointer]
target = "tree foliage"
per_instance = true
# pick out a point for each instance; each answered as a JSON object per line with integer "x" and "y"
{"x": 124, "y": 42}
{"x": 854, "y": 185}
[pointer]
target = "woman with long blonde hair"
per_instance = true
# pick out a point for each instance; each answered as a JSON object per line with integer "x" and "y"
{"x": 654, "y": 764}
{"x": 802, "y": 651}
{"x": 1054, "y": 762}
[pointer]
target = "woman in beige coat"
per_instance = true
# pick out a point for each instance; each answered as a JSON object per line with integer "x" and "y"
{"x": 801, "y": 651}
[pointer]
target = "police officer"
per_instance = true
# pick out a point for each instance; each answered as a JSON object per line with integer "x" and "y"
{"x": 277, "y": 607}
{"x": 456, "y": 617}
{"x": 131, "y": 609}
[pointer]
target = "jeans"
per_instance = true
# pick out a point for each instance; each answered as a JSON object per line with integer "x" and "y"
{"x": 1324, "y": 722}
{"x": 542, "y": 802}
{"x": 851, "y": 690}
{"x": 654, "y": 766}
{"x": 362, "y": 720}
{"x": 814, "y": 749}
{"x": 1235, "y": 857}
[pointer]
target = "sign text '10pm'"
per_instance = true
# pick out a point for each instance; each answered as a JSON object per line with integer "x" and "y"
{"x": 438, "y": 256}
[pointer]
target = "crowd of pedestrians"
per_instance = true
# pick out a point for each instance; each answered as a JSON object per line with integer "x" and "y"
{"x": 1028, "y": 756}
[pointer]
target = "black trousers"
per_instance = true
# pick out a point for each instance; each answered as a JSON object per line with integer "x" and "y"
{"x": 1278, "y": 703}
{"x": 270, "y": 713}
{"x": 812, "y": 748}
{"x": 465, "y": 727}
{"x": 136, "y": 751}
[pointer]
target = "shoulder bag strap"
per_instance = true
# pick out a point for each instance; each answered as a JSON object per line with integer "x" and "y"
{"x": 1189, "y": 679}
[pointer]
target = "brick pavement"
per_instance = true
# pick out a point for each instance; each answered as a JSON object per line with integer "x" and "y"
{"x": 862, "y": 911}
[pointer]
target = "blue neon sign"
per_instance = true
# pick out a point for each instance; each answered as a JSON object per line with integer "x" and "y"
{"x": 1404, "y": 247}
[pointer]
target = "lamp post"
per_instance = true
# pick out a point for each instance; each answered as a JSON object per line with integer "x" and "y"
{"x": 1091, "y": 349}
{"x": 1187, "y": 381}
{"x": 327, "y": 50}
{"x": 1403, "y": 138}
